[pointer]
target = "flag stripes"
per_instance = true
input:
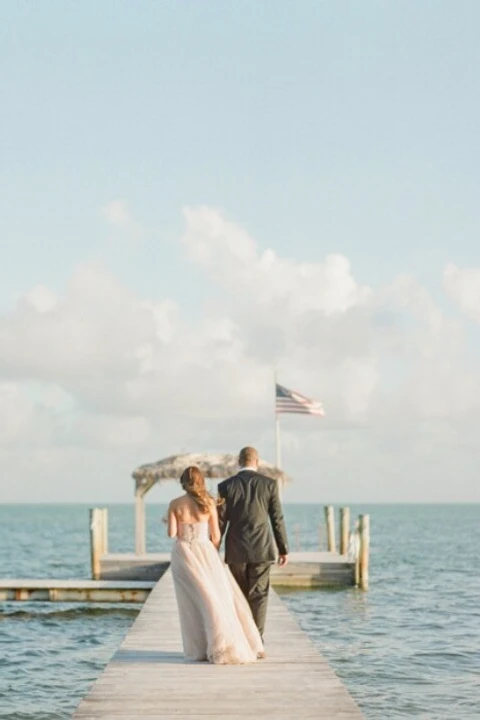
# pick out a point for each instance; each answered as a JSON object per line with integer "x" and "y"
{"x": 291, "y": 401}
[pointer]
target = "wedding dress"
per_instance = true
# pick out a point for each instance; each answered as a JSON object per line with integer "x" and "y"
{"x": 215, "y": 619}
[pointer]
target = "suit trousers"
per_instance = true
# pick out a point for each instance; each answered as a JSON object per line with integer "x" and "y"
{"x": 254, "y": 582}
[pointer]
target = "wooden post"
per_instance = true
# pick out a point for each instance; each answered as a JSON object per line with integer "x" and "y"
{"x": 330, "y": 520}
{"x": 355, "y": 544}
{"x": 344, "y": 529}
{"x": 97, "y": 539}
{"x": 364, "y": 550}
{"x": 105, "y": 531}
{"x": 140, "y": 540}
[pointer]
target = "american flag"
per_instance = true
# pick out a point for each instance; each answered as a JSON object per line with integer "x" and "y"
{"x": 291, "y": 401}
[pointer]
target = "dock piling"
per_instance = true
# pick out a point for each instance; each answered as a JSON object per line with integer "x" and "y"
{"x": 105, "y": 531}
{"x": 140, "y": 532}
{"x": 330, "y": 521}
{"x": 344, "y": 529}
{"x": 355, "y": 550}
{"x": 364, "y": 555}
{"x": 98, "y": 539}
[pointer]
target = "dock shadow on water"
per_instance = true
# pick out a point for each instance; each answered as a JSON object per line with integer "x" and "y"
{"x": 48, "y": 612}
{"x": 148, "y": 657}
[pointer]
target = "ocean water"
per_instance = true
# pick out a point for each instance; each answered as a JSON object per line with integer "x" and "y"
{"x": 409, "y": 648}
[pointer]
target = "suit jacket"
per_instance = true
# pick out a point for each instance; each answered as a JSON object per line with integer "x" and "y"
{"x": 251, "y": 503}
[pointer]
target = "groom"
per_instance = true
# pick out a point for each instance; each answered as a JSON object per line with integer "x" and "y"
{"x": 251, "y": 503}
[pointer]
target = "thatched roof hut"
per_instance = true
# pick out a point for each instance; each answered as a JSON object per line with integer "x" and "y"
{"x": 213, "y": 465}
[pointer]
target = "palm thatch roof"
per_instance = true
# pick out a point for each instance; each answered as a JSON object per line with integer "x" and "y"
{"x": 213, "y": 465}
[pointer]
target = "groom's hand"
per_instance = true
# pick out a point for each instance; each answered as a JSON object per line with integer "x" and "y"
{"x": 282, "y": 560}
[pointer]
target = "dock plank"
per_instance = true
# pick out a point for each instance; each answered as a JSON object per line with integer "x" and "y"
{"x": 47, "y": 590}
{"x": 45, "y": 583}
{"x": 148, "y": 677}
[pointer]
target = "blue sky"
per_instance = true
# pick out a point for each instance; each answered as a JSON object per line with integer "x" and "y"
{"x": 318, "y": 127}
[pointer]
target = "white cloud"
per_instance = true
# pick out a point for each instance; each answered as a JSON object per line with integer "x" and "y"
{"x": 31, "y": 416}
{"x": 103, "y": 379}
{"x": 232, "y": 259}
{"x": 41, "y": 299}
{"x": 463, "y": 287}
{"x": 118, "y": 216}
{"x": 113, "y": 431}
{"x": 16, "y": 413}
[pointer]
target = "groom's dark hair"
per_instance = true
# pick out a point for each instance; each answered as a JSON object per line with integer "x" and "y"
{"x": 247, "y": 456}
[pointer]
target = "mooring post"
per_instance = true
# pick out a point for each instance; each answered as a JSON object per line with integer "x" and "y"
{"x": 354, "y": 550}
{"x": 105, "y": 531}
{"x": 98, "y": 539}
{"x": 364, "y": 527}
{"x": 344, "y": 529}
{"x": 330, "y": 520}
{"x": 140, "y": 534}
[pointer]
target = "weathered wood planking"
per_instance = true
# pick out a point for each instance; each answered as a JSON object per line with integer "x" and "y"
{"x": 314, "y": 569}
{"x": 305, "y": 569}
{"x": 74, "y": 590}
{"x": 148, "y": 677}
{"x": 129, "y": 566}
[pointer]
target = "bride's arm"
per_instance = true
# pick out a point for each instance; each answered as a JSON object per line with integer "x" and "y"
{"x": 172, "y": 522}
{"x": 215, "y": 535}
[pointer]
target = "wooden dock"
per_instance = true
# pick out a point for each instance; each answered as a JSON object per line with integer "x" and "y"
{"x": 320, "y": 569}
{"x": 149, "y": 678}
{"x": 304, "y": 569}
{"x": 74, "y": 591}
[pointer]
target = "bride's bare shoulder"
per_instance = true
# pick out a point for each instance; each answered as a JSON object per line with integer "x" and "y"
{"x": 174, "y": 504}
{"x": 212, "y": 506}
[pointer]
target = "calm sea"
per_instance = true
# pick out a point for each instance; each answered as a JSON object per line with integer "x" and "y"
{"x": 409, "y": 648}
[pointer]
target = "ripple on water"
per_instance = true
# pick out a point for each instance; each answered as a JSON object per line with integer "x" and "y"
{"x": 409, "y": 648}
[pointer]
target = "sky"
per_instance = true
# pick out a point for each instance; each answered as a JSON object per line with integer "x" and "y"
{"x": 196, "y": 194}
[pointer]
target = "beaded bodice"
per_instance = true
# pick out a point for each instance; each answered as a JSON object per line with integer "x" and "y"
{"x": 188, "y": 532}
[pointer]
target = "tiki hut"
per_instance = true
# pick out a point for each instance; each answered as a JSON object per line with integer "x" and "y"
{"x": 213, "y": 465}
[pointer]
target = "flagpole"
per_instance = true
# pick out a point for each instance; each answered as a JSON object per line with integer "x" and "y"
{"x": 278, "y": 451}
{"x": 277, "y": 439}
{"x": 278, "y": 447}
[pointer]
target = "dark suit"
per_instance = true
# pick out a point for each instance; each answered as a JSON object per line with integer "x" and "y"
{"x": 252, "y": 504}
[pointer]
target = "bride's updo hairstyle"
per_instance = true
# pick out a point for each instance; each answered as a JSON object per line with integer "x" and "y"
{"x": 193, "y": 482}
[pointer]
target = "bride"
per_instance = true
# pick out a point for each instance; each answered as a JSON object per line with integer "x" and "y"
{"x": 215, "y": 619}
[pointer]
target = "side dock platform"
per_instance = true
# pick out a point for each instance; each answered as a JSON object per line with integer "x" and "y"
{"x": 304, "y": 569}
{"x": 317, "y": 569}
